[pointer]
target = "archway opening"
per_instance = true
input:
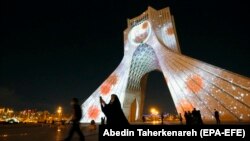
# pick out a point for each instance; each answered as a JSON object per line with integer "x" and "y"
{"x": 157, "y": 94}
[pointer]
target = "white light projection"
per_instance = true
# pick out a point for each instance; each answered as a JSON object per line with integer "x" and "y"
{"x": 150, "y": 44}
{"x": 140, "y": 33}
{"x": 168, "y": 36}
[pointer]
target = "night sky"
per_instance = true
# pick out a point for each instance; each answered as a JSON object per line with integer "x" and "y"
{"x": 53, "y": 51}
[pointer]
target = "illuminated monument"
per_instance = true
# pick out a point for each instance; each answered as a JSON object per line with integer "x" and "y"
{"x": 150, "y": 43}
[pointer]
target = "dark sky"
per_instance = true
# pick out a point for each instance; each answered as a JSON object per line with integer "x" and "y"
{"x": 53, "y": 51}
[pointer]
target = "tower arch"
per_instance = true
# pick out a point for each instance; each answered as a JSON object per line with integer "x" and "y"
{"x": 150, "y": 43}
{"x": 144, "y": 60}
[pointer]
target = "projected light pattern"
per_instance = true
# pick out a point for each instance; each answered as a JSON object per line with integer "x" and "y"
{"x": 140, "y": 33}
{"x": 108, "y": 84}
{"x": 144, "y": 60}
{"x": 168, "y": 36}
{"x": 150, "y": 43}
{"x": 194, "y": 83}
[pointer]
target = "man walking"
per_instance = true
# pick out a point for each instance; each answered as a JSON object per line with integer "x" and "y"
{"x": 75, "y": 118}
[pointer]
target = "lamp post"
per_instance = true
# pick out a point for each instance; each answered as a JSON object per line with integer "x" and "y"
{"x": 154, "y": 112}
{"x": 59, "y": 111}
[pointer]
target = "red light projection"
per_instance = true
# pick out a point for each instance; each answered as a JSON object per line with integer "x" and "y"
{"x": 105, "y": 89}
{"x": 107, "y": 85}
{"x": 145, "y": 25}
{"x": 140, "y": 38}
{"x": 170, "y": 31}
{"x": 93, "y": 112}
{"x": 194, "y": 83}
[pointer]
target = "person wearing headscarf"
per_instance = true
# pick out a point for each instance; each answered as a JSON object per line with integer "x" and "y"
{"x": 114, "y": 112}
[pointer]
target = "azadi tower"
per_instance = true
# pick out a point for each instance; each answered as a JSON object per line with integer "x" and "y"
{"x": 150, "y": 43}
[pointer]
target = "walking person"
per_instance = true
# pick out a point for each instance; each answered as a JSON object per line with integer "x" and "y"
{"x": 75, "y": 118}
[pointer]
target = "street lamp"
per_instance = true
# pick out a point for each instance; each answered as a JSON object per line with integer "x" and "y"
{"x": 59, "y": 111}
{"x": 154, "y": 112}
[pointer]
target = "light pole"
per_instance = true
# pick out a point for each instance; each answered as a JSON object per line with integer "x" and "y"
{"x": 154, "y": 112}
{"x": 59, "y": 111}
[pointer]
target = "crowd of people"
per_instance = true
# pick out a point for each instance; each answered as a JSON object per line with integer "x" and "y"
{"x": 114, "y": 116}
{"x": 193, "y": 118}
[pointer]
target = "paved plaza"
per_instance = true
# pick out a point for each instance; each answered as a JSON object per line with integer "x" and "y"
{"x": 42, "y": 133}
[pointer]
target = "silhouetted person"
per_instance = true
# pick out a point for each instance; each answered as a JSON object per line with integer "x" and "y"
{"x": 195, "y": 116}
{"x": 75, "y": 118}
{"x": 92, "y": 125}
{"x": 199, "y": 118}
{"x": 180, "y": 118}
{"x": 143, "y": 118}
{"x": 102, "y": 120}
{"x": 217, "y": 116}
{"x": 162, "y": 118}
{"x": 113, "y": 112}
{"x": 189, "y": 118}
{"x": 186, "y": 117}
